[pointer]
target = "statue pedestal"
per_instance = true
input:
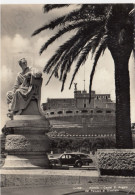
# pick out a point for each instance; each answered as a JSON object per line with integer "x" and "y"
{"x": 26, "y": 142}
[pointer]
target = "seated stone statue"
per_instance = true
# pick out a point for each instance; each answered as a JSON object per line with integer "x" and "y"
{"x": 25, "y": 88}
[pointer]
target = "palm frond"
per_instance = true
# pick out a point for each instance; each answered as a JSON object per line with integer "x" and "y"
{"x": 75, "y": 15}
{"x": 50, "y": 63}
{"x": 60, "y": 33}
{"x": 96, "y": 39}
{"x": 51, "y": 25}
{"x": 56, "y": 67}
{"x": 63, "y": 82}
{"x": 108, "y": 17}
{"x": 53, "y": 72}
{"x": 81, "y": 61}
{"x": 83, "y": 45}
{"x": 69, "y": 51}
{"x": 62, "y": 49}
{"x": 69, "y": 28}
{"x": 101, "y": 48}
{"x": 104, "y": 29}
{"x": 92, "y": 44}
{"x": 72, "y": 54}
{"x": 50, "y": 7}
{"x": 66, "y": 58}
{"x": 66, "y": 71}
{"x": 58, "y": 21}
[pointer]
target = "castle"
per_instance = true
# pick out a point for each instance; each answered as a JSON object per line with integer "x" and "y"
{"x": 76, "y": 117}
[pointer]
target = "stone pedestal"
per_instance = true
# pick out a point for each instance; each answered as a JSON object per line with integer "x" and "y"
{"x": 26, "y": 142}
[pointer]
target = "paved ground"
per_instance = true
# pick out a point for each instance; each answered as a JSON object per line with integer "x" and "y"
{"x": 75, "y": 172}
{"x": 95, "y": 189}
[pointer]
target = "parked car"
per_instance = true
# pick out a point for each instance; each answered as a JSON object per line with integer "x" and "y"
{"x": 85, "y": 158}
{"x": 67, "y": 159}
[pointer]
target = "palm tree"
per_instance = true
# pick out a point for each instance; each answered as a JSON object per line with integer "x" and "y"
{"x": 96, "y": 27}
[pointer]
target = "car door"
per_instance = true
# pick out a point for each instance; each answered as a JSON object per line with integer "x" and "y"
{"x": 64, "y": 159}
{"x": 71, "y": 159}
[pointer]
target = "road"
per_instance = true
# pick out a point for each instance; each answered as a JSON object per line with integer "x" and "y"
{"x": 90, "y": 167}
{"x": 83, "y": 168}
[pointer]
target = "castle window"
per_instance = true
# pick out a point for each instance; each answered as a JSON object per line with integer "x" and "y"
{"x": 84, "y": 105}
{"x": 84, "y": 111}
{"x": 51, "y": 113}
{"x": 77, "y": 111}
{"x": 69, "y": 111}
{"x": 91, "y": 111}
{"x": 106, "y": 97}
{"x": 99, "y": 111}
{"x": 108, "y": 111}
{"x": 60, "y": 112}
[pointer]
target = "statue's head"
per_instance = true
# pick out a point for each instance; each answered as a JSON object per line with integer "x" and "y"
{"x": 23, "y": 63}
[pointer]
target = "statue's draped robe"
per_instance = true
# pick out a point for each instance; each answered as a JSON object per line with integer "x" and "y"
{"x": 23, "y": 90}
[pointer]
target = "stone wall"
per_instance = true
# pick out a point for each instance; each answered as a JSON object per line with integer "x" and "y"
{"x": 116, "y": 162}
{"x": 59, "y": 103}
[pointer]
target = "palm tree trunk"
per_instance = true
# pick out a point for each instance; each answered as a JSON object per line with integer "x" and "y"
{"x": 123, "y": 124}
{"x": 122, "y": 88}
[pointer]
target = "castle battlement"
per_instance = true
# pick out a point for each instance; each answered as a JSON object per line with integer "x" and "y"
{"x": 80, "y": 101}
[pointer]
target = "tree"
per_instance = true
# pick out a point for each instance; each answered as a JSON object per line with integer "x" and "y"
{"x": 75, "y": 144}
{"x": 53, "y": 144}
{"x": 61, "y": 144}
{"x": 98, "y": 26}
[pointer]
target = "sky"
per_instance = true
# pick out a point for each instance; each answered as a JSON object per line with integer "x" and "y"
{"x": 18, "y": 22}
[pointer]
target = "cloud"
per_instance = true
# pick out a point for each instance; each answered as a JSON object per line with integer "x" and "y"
{"x": 20, "y": 44}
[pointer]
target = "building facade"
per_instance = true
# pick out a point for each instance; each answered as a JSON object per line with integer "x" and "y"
{"x": 76, "y": 117}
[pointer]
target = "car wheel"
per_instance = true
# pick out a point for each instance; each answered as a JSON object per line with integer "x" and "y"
{"x": 78, "y": 164}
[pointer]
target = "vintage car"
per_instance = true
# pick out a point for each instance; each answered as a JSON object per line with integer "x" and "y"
{"x": 85, "y": 158}
{"x": 67, "y": 159}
